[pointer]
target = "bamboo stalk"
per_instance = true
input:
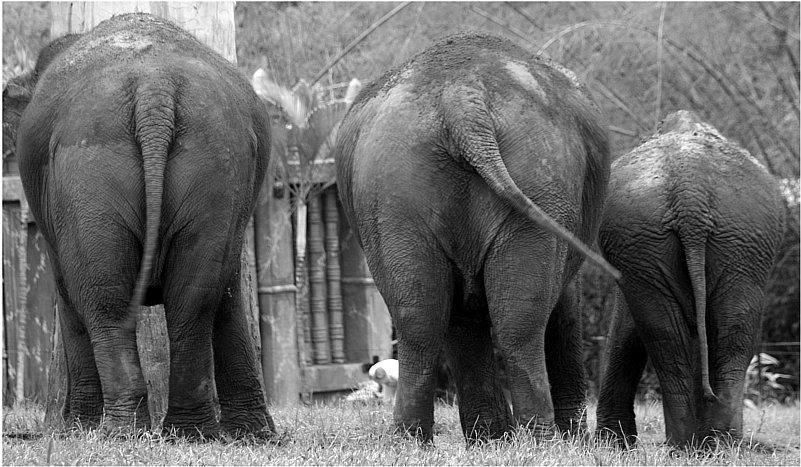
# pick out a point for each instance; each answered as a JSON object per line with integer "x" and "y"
{"x": 499, "y": 22}
{"x": 658, "y": 109}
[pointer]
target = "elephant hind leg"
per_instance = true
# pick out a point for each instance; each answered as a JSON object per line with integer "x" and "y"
{"x": 237, "y": 371}
{"x": 191, "y": 297}
{"x": 565, "y": 363}
{"x": 625, "y": 361}
{"x": 483, "y": 409}
{"x": 673, "y": 350}
{"x": 84, "y": 399}
{"x": 99, "y": 340}
{"x": 519, "y": 278}
{"x": 116, "y": 353}
{"x": 418, "y": 289}
{"x": 735, "y": 320}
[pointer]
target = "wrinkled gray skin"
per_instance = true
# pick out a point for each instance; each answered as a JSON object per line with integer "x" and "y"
{"x": 692, "y": 222}
{"x": 141, "y": 154}
{"x": 454, "y": 171}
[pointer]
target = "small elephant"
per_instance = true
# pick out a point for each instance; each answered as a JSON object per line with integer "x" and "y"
{"x": 692, "y": 222}
{"x": 141, "y": 153}
{"x": 468, "y": 174}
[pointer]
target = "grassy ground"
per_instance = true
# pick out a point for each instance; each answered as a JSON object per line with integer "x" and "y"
{"x": 343, "y": 434}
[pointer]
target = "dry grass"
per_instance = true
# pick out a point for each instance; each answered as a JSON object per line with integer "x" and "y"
{"x": 343, "y": 434}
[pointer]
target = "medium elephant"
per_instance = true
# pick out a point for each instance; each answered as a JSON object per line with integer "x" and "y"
{"x": 467, "y": 173}
{"x": 692, "y": 222}
{"x": 141, "y": 153}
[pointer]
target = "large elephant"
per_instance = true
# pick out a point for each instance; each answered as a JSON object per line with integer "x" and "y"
{"x": 141, "y": 153}
{"x": 460, "y": 172}
{"x": 692, "y": 222}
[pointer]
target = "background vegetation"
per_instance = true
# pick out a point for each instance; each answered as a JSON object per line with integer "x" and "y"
{"x": 735, "y": 64}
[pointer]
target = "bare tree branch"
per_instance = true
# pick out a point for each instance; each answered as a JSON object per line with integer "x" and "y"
{"x": 514, "y": 6}
{"x": 356, "y": 41}
{"x": 658, "y": 109}
{"x": 767, "y": 19}
{"x": 499, "y": 22}
{"x": 781, "y": 35}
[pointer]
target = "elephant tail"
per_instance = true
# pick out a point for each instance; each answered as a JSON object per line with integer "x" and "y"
{"x": 695, "y": 254}
{"x": 154, "y": 124}
{"x": 472, "y": 133}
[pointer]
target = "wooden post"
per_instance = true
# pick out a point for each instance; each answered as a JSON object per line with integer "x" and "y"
{"x": 280, "y": 338}
{"x": 213, "y": 24}
{"x": 302, "y": 284}
{"x": 154, "y": 355}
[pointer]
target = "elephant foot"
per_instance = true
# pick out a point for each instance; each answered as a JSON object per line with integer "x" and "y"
{"x": 698, "y": 451}
{"x": 726, "y": 438}
{"x": 541, "y": 431}
{"x": 262, "y": 437}
{"x": 712, "y": 442}
{"x": 423, "y": 432}
{"x": 257, "y": 424}
{"x": 572, "y": 423}
{"x": 124, "y": 422}
{"x": 615, "y": 437}
{"x": 481, "y": 430}
{"x": 82, "y": 411}
{"x": 196, "y": 424}
{"x": 199, "y": 433}
{"x": 83, "y": 422}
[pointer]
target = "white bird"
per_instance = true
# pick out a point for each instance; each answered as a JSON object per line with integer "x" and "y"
{"x": 386, "y": 374}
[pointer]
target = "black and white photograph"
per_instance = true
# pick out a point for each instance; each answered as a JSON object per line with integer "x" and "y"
{"x": 415, "y": 233}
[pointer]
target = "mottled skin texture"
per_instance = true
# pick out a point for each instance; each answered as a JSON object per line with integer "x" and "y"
{"x": 451, "y": 256}
{"x": 138, "y": 135}
{"x": 693, "y": 223}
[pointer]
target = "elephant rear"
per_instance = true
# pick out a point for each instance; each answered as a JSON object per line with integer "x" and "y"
{"x": 473, "y": 176}
{"x": 693, "y": 223}
{"x": 141, "y": 154}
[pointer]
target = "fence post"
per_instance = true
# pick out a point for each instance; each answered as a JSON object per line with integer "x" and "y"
{"x": 281, "y": 342}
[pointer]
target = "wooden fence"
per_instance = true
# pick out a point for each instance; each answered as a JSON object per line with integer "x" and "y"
{"x": 28, "y": 315}
{"x": 338, "y": 321}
